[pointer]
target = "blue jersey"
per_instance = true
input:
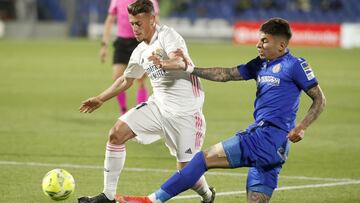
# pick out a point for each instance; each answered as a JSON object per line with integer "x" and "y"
{"x": 279, "y": 84}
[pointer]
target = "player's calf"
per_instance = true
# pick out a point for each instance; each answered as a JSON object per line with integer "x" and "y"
{"x": 257, "y": 197}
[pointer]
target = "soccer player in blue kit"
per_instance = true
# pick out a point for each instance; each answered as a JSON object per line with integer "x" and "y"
{"x": 264, "y": 145}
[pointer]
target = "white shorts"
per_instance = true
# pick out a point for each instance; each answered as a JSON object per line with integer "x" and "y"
{"x": 183, "y": 135}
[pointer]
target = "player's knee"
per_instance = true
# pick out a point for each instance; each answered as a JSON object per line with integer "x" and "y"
{"x": 114, "y": 136}
{"x": 118, "y": 134}
{"x": 215, "y": 151}
{"x": 215, "y": 156}
{"x": 208, "y": 154}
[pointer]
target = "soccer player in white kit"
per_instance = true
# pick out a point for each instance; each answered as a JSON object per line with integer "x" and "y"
{"x": 173, "y": 112}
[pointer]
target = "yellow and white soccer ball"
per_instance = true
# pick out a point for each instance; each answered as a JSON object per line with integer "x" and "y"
{"x": 58, "y": 184}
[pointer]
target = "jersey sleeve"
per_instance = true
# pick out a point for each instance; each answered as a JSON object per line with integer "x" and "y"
{"x": 134, "y": 69}
{"x": 249, "y": 70}
{"x": 171, "y": 41}
{"x": 112, "y": 8}
{"x": 303, "y": 75}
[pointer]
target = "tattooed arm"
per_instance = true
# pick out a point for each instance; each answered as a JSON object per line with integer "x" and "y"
{"x": 178, "y": 61}
{"x": 319, "y": 101}
{"x": 218, "y": 74}
{"x": 315, "y": 110}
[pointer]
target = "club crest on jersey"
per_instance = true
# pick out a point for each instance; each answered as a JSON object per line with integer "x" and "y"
{"x": 160, "y": 52}
{"x": 308, "y": 71}
{"x": 276, "y": 68}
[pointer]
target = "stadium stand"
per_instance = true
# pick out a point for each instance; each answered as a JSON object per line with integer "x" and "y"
{"x": 200, "y": 19}
{"x": 334, "y": 11}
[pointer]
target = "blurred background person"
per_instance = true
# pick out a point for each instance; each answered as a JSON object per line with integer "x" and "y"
{"x": 123, "y": 45}
{"x": 331, "y": 5}
{"x": 26, "y": 10}
{"x": 7, "y": 10}
{"x": 304, "y": 5}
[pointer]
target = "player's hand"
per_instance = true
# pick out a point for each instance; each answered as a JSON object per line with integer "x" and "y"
{"x": 184, "y": 62}
{"x": 90, "y": 105}
{"x": 176, "y": 61}
{"x": 155, "y": 59}
{"x": 296, "y": 134}
{"x": 179, "y": 53}
{"x": 103, "y": 54}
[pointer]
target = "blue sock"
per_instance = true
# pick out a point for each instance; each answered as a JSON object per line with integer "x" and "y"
{"x": 183, "y": 179}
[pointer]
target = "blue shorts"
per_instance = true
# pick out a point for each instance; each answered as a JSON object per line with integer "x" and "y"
{"x": 263, "y": 148}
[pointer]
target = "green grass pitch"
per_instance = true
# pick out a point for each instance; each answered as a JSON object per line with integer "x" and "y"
{"x": 43, "y": 83}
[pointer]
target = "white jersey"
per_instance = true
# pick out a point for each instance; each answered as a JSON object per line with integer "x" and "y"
{"x": 177, "y": 92}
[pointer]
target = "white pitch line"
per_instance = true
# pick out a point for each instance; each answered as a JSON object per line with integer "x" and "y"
{"x": 277, "y": 189}
{"x": 282, "y": 176}
{"x": 343, "y": 181}
{"x": 162, "y": 170}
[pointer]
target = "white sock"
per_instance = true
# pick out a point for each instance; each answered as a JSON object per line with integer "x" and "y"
{"x": 113, "y": 164}
{"x": 202, "y": 188}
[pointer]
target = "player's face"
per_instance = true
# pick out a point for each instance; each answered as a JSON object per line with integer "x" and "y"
{"x": 270, "y": 47}
{"x": 143, "y": 26}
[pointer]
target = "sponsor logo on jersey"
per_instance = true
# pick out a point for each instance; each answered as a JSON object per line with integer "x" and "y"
{"x": 276, "y": 68}
{"x": 268, "y": 79}
{"x": 308, "y": 71}
{"x": 154, "y": 73}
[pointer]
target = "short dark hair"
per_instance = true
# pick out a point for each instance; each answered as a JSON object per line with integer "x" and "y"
{"x": 277, "y": 27}
{"x": 141, "y": 6}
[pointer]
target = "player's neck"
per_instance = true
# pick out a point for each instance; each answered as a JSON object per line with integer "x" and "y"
{"x": 151, "y": 35}
{"x": 279, "y": 55}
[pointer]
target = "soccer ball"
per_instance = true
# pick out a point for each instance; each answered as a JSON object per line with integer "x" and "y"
{"x": 58, "y": 184}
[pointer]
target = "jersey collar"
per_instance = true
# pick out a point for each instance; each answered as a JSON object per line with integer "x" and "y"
{"x": 279, "y": 58}
{"x": 155, "y": 35}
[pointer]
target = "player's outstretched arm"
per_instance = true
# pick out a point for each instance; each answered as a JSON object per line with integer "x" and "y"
{"x": 90, "y": 105}
{"x": 120, "y": 85}
{"x": 318, "y": 105}
{"x": 218, "y": 74}
{"x": 178, "y": 61}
